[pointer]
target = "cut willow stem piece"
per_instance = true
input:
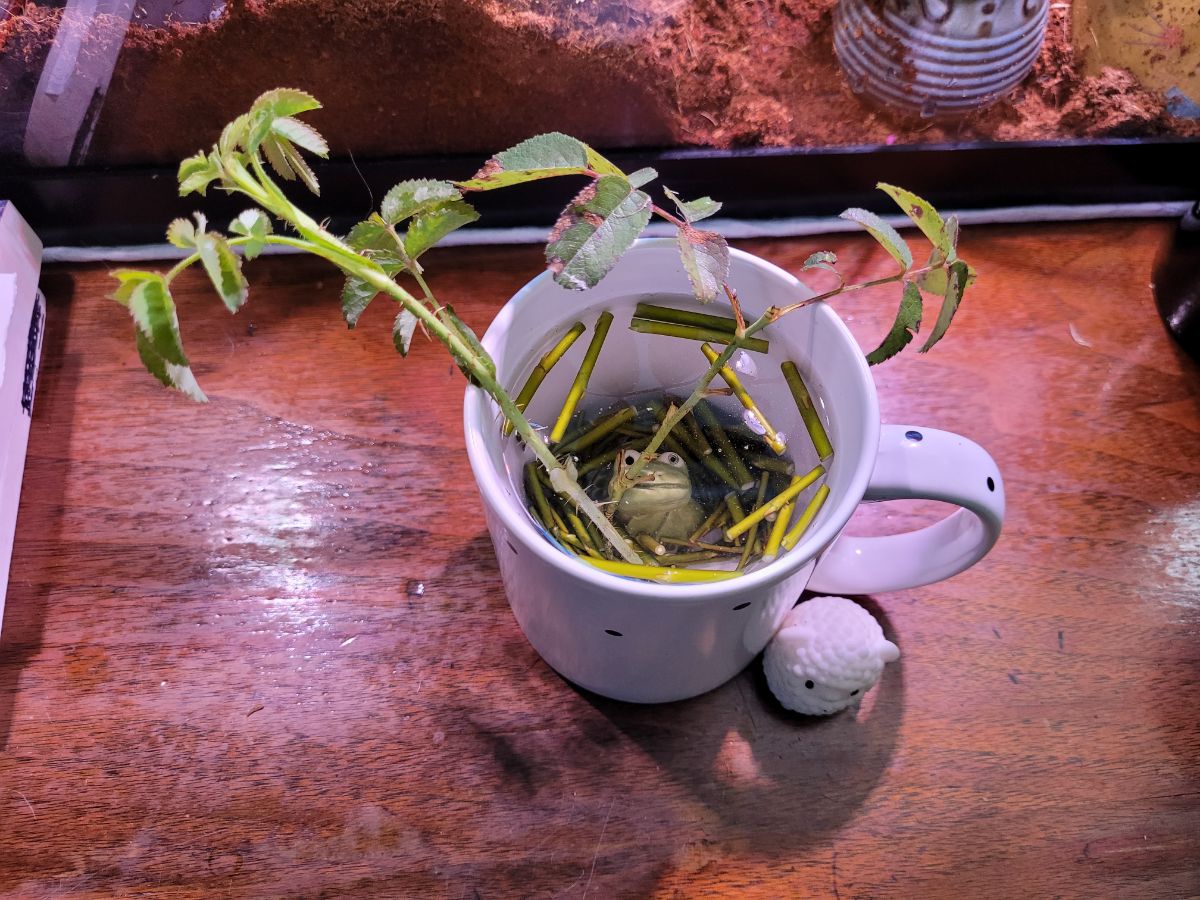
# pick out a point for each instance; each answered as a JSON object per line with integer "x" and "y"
{"x": 569, "y": 538}
{"x": 692, "y": 333}
{"x": 792, "y": 538}
{"x": 661, "y": 573}
{"x": 735, "y": 384}
{"x": 598, "y": 432}
{"x": 779, "y": 527}
{"x": 583, "y": 534}
{"x": 734, "y": 504}
{"x": 715, "y": 518}
{"x": 725, "y": 448}
{"x": 647, "y": 558}
{"x": 684, "y": 317}
{"x": 771, "y": 464}
{"x": 674, "y": 559}
{"x": 575, "y": 394}
{"x": 752, "y": 540}
{"x": 542, "y": 369}
{"x": 534, "y": 487}
{"x": 776, "y": 503}
{"x": 701, "y": 450}
{"x": 596, "y": 462}
{"x": 700, "y": 545}
{"x": 808, "y": 412}
{"x": 651, "y": 544}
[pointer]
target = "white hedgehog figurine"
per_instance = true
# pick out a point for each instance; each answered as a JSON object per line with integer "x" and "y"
{"x": 826, "y": 655}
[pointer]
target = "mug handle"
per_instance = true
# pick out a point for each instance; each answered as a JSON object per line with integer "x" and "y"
{"x": 916, "y": 463}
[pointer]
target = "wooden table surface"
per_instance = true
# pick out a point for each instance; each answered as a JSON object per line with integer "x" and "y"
{"x": 260, "y": 647}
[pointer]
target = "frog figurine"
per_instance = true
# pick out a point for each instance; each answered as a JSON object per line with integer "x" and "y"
{"x": 660, "y": 503}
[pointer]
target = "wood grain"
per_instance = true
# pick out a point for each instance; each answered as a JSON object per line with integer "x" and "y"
{"x": 260, "y": 647}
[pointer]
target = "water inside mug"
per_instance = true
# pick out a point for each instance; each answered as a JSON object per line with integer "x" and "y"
{"x": 637, "y": 369}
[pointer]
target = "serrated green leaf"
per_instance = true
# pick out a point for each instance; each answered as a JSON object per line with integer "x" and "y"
{"x": 543, "y": 156}
{"x": 192, "y": 165}
{"x": 301, "y": 134}
{"x": 923, "y": 215}
{"x": 299, "y": 166}
{"x": 356, "y": 297}
{"x": 544, "y": 151}
{"x": 951, "y": 243}
{"x": 285, "y": 102}
{"x": 956, "y": 284}
{"x": 693, "y": 210}
{"x": 153, "y": 310}
{"x": 471, "y": 340}
{"x": 600, "y": 224}
{"x": 643, "y": 177}
{"x": 934, "y": 282}
{"x": 705, "y": 256}
{"x": 599, "y": 164}
{"x": 178, "y": 377}
{"x": 182, "y": 234}
{"x": 127, "y": 281}
{"x": 908, "y": 323}
{"x": 434, "y": 224}
{"x": 376, "y": 241}
{"x": 885, "y": 234}
{"x": 255, "y": 225}
{"x": 269, "y": 108}
{"x": 196, "y": 173}
{"x": 416, "y": 195}
{"x": 234, "y": 134}
{"x": 822, "y": 259}
{"x": 273, "y": 151}
{"x": 224, "y": 269}
{"x": 402, "y": 331}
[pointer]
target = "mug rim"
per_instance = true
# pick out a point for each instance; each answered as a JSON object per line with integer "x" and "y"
{"x": 480, "y": 436}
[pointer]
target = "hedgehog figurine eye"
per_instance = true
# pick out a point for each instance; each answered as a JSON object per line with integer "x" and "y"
{"x": 827, "y": 654}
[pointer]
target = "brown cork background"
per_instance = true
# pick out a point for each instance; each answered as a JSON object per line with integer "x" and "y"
{"x": 473, "y": 76}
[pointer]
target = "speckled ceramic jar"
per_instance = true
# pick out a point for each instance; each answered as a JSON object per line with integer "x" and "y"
{"x": 938, "y": 58}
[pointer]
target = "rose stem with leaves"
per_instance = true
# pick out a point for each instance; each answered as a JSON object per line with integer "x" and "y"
{"x": 236, "y": 164}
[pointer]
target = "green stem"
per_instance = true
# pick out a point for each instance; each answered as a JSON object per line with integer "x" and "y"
{"x": 322, "y": 243}
{"x": 180, "y": 266}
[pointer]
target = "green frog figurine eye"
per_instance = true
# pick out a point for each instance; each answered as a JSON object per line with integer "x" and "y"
{"x": 660, "y": 503}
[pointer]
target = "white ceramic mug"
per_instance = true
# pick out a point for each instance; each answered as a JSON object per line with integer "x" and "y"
{"x": 647, "y": 642}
